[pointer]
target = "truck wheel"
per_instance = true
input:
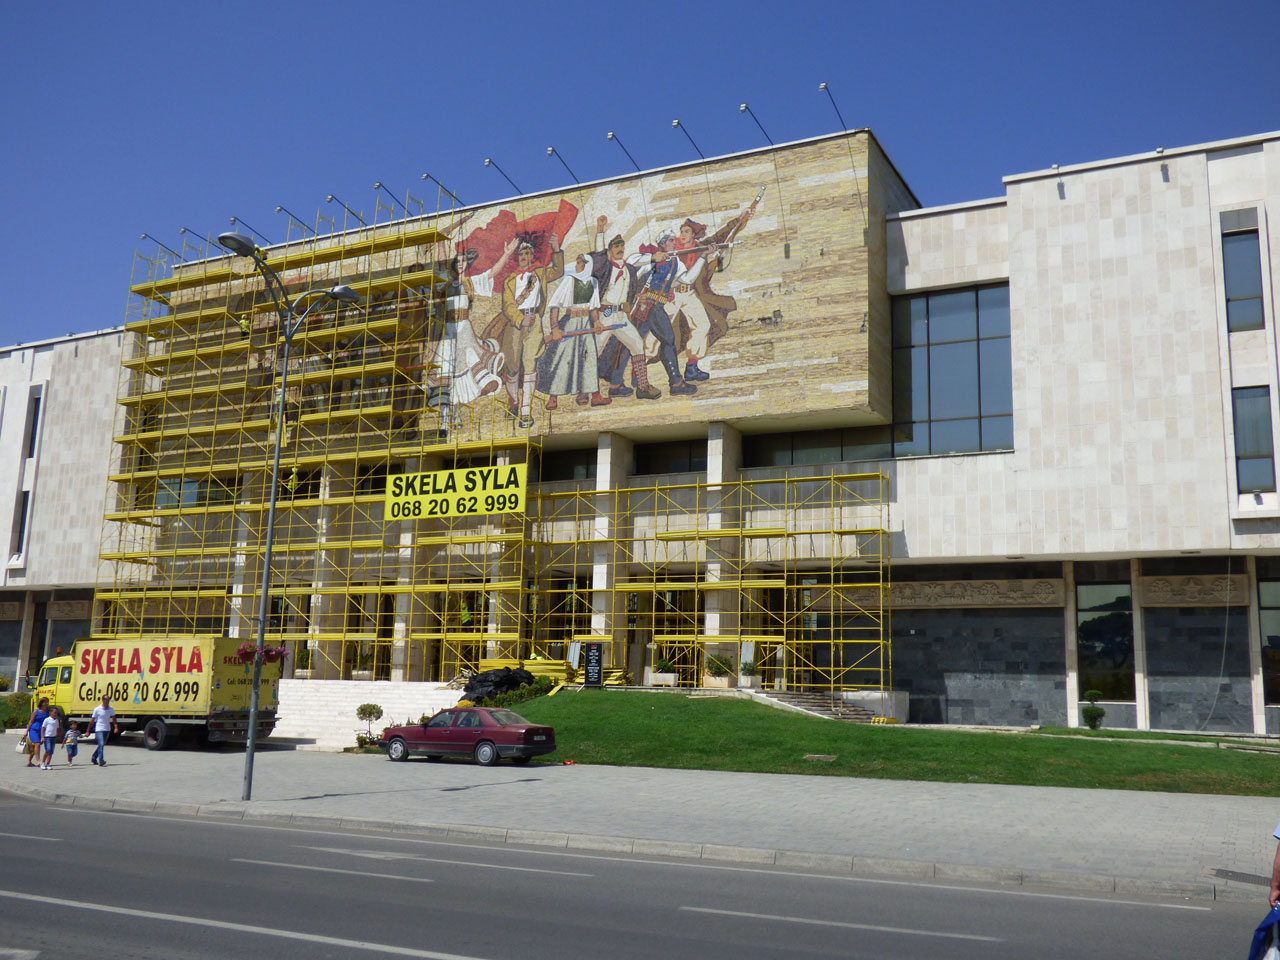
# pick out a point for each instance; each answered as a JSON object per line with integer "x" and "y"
{"x": 486, "y": 753}
{"x": 156, "y": 734}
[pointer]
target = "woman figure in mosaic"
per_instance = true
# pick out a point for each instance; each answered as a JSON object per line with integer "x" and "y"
{"x": 568, "y": 365}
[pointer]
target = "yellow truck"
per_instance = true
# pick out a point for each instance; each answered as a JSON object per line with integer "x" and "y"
{"x": 197, "y": 689}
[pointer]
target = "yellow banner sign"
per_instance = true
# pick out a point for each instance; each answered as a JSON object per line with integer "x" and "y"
{"x": 467, "y": 492}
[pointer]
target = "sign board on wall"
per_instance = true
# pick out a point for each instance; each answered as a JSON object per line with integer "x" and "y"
{"x": 465, "y": 492}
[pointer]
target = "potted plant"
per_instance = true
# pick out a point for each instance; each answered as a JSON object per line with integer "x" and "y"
{"x": 717, "y": 670}
{"x": 302, "y": 662}
{"x": 662, "y": 673}
{"x": 363, "y": 669}
{"x": 1092, "y": 714}
{"x": 247, "y": 651}
{"x": 748, "y": 675}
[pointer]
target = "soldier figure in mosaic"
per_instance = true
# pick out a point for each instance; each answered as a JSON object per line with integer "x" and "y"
{"x": 521, "y": 327}
{"x": 621, "y": 342}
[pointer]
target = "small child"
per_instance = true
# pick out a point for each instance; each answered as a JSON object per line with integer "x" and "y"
{"x": 72, "y": 741}
{"x": 49, "y": 734}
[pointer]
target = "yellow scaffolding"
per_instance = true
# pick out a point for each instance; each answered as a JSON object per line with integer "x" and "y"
{"x": 790, "y": 574}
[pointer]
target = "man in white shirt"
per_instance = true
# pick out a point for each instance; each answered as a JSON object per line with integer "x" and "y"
{"x": 103, "y": 722}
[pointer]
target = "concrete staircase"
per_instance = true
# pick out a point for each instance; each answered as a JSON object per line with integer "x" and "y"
{"x": 817, "y": 704}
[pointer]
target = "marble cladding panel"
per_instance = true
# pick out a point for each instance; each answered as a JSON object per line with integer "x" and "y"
{"x": 1198, "y": 669}
{"x": 981, "y": 666}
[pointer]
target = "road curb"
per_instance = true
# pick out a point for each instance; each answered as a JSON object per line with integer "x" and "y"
{"x": 871, "y": 868}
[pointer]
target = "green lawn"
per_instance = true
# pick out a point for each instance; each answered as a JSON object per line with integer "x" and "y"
{"x": 673, "y": 730}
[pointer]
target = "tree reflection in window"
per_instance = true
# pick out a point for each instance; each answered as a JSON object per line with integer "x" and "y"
{"x": 1104, "y": 639}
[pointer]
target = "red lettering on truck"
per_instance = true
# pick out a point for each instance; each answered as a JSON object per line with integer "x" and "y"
{"x": 155, "y": 661}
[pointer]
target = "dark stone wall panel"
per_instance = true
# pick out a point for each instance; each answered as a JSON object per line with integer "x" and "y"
{"x": 981, "y": 666}
{"x": 1198, "y": 669}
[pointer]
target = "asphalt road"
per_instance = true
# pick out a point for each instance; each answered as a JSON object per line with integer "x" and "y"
{"x": 94, "y": 885}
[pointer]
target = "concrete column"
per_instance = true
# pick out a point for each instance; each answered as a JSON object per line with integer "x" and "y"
{"x": 1257, "y": 688}
{"x": 1142, "y": 702}
{"x": 329, "y": 610}
{"x": 721, "y": 611}
{"x": 404, "y": 534}
{"x": 1071, "y": 649}
{"x": 608, "y": 609}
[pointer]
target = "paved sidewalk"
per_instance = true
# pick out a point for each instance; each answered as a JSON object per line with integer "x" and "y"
{"x": 1206, "y": 847}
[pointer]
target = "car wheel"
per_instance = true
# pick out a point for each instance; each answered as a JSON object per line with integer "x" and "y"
{"x": 397, "y": 749}
{"x": 486, "y": 753}
{"x": 520, "y": 761}
{"x": 155, "y": 734}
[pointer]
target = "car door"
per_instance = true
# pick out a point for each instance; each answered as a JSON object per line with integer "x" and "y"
{"x": 467, "y": 732}
{"x": 437, "y": 733}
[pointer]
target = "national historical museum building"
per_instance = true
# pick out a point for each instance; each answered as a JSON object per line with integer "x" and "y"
{"x": 760, "y": 420}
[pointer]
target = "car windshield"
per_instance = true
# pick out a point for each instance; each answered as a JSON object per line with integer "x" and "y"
{"x": 505, "y": 718}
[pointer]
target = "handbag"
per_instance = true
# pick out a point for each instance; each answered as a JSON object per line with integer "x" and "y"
{"x": 22, "y": 744}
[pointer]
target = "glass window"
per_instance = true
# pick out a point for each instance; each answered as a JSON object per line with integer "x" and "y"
{"x": 1269, "y": 614}
{"x": 569, "y": 465}
{"x": 1242, "y": 277}
{"x": 909, "y": 320}
{"x": 1255, "y": 464}
{"x": 678, "y": 456}
{"x": 1104, "y": 640}
{"x": 953, "y": 382}
{"x": 954, "y": 436}
{"x": 953, "y": 316}
{"x": 866, "y": 443}
{"x": 767, "y": 450}
{"x": 33, "y": 426}
{"x": 955, "y": 367}
{"x": 993, "y": 312}
{"x": 442, "y": 719}
{"x": 468, "y": 719}
{"x": 995, "y": 373}
{"x": 997, "y": 433}
{"x": 816, "y": 446}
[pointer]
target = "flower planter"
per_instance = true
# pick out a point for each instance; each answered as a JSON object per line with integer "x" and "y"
{"x": 661, "y": 679}
{"x": 717, "y": 682}
{"x": 749, "y": 681}
{"x": 361, "y": 674}
{"x": 304, "y": 674}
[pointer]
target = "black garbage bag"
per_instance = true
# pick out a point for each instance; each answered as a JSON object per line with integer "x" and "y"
{"x": 489, "y": 684}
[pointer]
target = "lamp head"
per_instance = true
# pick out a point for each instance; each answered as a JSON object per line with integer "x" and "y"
{"x": 742, "y": 108}
{"x": 609, "y": 135}
{"x": 425, "y": 176}
{"x": 343, "y": 294}
{"x": 329, "y": 198}
{"x": 488, "y": 161}
{"x": 551, "y": 151}
{"x": 675, "y": 123}
{"x": 822, "y": 86}
{"x": 237, "y": 243}
{"x": 279, "y": 209}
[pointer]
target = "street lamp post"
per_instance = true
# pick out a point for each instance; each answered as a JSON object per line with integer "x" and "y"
{"x": 243, "y": 246}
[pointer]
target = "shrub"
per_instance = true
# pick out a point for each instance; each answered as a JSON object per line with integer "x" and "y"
{"x": 302, "y": 658}
{"x": 1092, "y": 714}
{"x": 719, "y": 666}
{"x": 369, "y": 712}
{"x": 748, "y": 668}
{"x": 18, "y": 705}
{"x": 540, "y": 687}
{"x": 5, "y": 683}
{"x": 663, "y": 665}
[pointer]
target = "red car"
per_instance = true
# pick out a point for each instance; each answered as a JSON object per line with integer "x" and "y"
{"x": 487, "y": 734}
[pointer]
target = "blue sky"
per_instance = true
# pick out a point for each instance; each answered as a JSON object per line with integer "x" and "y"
{"x": 124, "y": 118}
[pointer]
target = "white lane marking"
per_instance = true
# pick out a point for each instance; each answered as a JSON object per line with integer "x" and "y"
{"x": 64, "y": 904}
{"x": 686, "y": 864}
{"x": 393, "y": 855}
{"x": 843, "y": 924}
{"x": 354, "y": 873}
{"x": 27, "y": 836}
